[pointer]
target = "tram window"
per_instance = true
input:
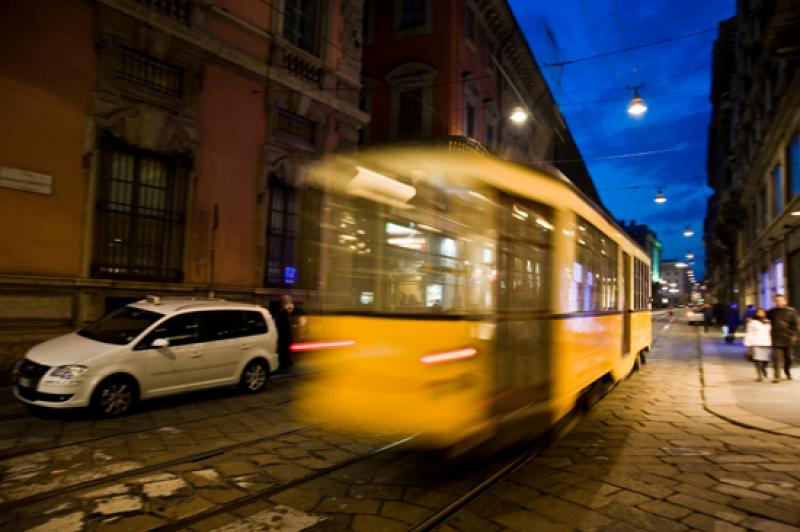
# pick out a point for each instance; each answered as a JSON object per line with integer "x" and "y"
{"x": 594, "y": 275}
{"x": 524, "y": 255}
{"x": 440, "y": 255}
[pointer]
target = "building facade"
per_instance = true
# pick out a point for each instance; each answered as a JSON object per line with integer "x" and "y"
{"x": 753, "y": 219}
{"x": 676, "y": 289}
{"x": 648, "y": 240}
{"x": 159, "y": 146}
{"x": 455, "y": 70}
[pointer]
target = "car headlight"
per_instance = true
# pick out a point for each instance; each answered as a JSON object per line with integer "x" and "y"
{"x": 68, "y": 372}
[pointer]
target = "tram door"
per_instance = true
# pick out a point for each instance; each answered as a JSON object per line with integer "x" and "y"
{"x": 523, "y": 280}
{"x": 626, "y": 303}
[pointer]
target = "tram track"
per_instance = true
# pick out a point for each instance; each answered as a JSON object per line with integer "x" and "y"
{"x": 8, "y": 505}
{"x": 182, "y": 524}
{"x": 33, "y": 450}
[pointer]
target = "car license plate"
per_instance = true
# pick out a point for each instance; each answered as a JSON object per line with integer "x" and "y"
{"x": 25, "y": 382}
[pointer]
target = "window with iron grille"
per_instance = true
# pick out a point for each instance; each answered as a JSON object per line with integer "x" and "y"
{"x": 301, "y": 24}
{"x": 149, "y": 72}
{"x": 292, "y": 236}
{"x": 296, "y": 125}
{"x": 413, "y": 13}
{"x": 139, "y": 216}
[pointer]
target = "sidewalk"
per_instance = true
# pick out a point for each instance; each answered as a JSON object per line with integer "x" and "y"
{"x": 731, "y": 390}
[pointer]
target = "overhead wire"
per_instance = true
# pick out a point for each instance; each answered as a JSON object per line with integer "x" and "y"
{"x": 628, "y": 49}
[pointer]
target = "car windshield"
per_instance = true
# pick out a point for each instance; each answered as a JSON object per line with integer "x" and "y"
{"x": 121, "y": 326}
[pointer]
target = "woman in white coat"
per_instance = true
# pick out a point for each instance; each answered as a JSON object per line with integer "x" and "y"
{"x": 759, "y": 339}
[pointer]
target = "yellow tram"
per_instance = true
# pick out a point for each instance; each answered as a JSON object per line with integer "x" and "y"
{"x": 465, "y": 297}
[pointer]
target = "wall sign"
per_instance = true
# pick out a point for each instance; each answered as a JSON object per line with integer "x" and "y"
{"x": 24, "y": 180}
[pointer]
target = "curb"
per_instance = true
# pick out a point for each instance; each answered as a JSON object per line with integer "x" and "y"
{"x": 718, "y": 399}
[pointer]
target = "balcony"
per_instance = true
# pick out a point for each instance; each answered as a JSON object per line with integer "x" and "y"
{"x": 176, "y": 9}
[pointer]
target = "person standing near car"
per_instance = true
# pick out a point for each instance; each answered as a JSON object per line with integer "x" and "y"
{"x": 758, "y": 340}
{"x": 785, "y": 329}
{"x": 284, "y": 324}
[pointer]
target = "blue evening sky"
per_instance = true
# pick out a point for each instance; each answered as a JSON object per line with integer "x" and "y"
{"x": 593, "y": 97}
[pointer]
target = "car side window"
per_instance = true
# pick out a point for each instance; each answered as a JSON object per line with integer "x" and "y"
{"x": 224, "y": 324}
{"x": 255, "y": 322}
{"x": 179, "y": 330}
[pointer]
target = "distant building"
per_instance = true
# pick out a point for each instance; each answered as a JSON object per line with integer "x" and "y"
{"x": 453, "y": 71}
{"x": 752, "y": 226}
{"x": 646, "y": 237}
{"x": 676, "y": 289}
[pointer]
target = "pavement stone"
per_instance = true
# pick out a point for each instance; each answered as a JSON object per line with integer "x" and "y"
{"x": 647, "y": 457}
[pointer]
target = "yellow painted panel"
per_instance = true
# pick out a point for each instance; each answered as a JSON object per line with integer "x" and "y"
{"x": 379, "y": 384}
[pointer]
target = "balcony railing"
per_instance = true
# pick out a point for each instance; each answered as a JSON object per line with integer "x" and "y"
{"x": 303, "y": 69}
{"x": 177, "y": 9}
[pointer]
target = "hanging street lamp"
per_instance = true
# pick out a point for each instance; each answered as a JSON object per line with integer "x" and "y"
{"x": 660, "y": 198}
{"x": 637, "y": 107}
{"x": 519, "y": 115}
{"x": 688, "y": 233}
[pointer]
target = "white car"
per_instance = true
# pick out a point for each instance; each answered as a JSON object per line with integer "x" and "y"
{"x": 151, "y": 348}
{"x": 694, "y": 315}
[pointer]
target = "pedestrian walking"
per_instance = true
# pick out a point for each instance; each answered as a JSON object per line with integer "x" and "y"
{"x": 708, "y": 316}
{"x": 749, "y": 313}
{"x": 732, "y": 321}
{"x": 784, "y": 332}
{"x": 284, "y": 323}
{"x": 758, "y": 341}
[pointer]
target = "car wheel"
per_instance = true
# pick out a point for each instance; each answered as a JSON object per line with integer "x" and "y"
{"x": 114, "y": 396}
{"x": 254, "y": 376}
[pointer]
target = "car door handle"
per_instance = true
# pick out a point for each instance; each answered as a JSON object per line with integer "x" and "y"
{"x": 244, "y": 347}
{"x": 197, "y": 354}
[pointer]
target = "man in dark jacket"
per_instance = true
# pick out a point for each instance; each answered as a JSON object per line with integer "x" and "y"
{"x": 785, "y": 329}
{"x": 284, "y": 324}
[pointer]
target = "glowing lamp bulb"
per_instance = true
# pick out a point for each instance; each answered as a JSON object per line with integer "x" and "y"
{"x": 660, "y": 197}
{"x": 636, "y": 107}
{"x": 519, "y": 116}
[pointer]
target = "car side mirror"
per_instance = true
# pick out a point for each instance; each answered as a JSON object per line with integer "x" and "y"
{"x": 159, "y": 343}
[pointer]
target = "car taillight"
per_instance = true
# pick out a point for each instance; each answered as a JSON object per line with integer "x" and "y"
{"x": 449, "y": 356}
{"x": 315, "y": 346}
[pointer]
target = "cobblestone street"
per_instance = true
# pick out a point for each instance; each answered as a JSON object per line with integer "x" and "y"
{"x": 649, "y": 456}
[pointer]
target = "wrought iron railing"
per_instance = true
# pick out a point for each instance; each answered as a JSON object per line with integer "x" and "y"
{"x": 149, "y": 72}
{"x": 177, "y": 9}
